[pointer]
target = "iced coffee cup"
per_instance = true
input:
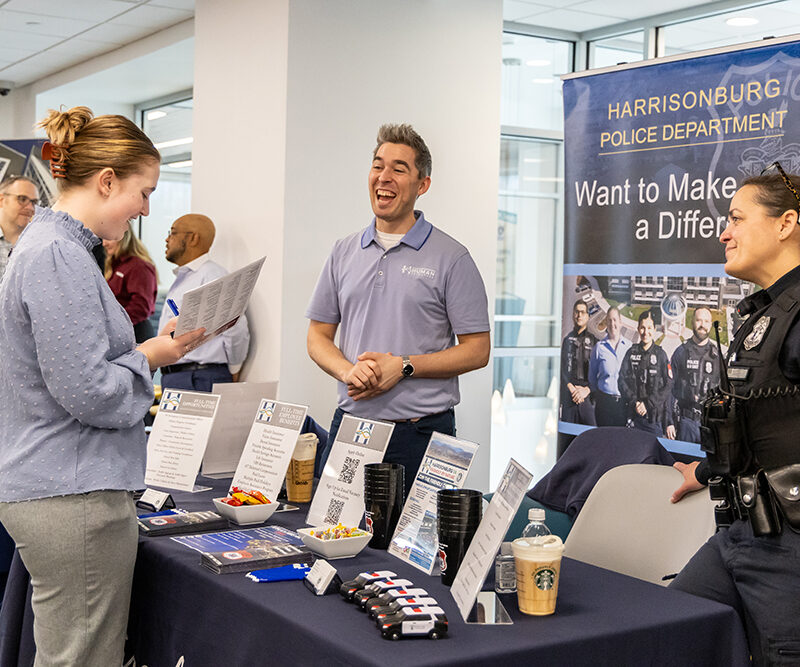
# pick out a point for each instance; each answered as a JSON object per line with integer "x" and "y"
{"x": 538, "y": 564}
{"x": 300, "y": 477}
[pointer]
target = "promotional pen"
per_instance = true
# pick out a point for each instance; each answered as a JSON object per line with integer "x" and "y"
{"x": 173, "y": 307}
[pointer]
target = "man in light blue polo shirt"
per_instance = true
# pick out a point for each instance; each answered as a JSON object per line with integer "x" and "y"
{"x": 401, "y": 291}
{"x": 604, "y": 363}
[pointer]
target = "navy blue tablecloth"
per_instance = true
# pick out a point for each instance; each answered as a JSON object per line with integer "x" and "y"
{"x": 181, "y": 610}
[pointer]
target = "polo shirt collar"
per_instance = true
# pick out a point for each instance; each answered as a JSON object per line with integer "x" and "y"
{"x": 195, "y": 264}
{"x": 414, "y": 238}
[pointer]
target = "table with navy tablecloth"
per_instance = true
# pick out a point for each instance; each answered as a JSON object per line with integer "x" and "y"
{"x": 180, "y": 610}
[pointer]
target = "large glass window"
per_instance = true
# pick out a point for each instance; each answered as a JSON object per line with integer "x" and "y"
{"x": 529, "y": 254}
{"x": 529, "y": 243}
{"x": 531, "y": 85}
{"x": 616, "y": 50}
{"x": 736, "y": 27}
{"x": 169, "y": 126}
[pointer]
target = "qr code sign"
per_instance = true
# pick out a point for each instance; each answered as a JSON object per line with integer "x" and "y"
{"x": 334, "y": 512}
{"x": 349, "y": 469}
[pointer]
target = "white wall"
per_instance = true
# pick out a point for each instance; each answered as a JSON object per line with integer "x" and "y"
{"x": 18, "y": 113}
{"x": 353, "y": 66}
{"x": 239, "y": 149}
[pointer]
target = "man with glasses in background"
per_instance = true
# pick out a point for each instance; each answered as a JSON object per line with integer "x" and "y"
{"x": 221, "y": 358}
{"x": 18, "y": 197}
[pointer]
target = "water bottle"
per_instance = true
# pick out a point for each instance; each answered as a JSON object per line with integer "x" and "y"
{"x": 505, "y": 573}
{"x": 536, "y": 526}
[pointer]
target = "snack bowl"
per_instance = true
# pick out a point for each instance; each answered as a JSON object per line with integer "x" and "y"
{"x": 245, "y": 515}
{"x": 342, "y": 547}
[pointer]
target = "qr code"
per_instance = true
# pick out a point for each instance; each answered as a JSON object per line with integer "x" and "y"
{"x": 334, "y": 512}
{"x": 349, "y": 470}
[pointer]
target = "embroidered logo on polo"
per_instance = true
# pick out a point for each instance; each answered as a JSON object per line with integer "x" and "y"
{"x": 266, "y": 411}
{"x": 418, "y": 272}
{"x": 363, "y": 433}
{"x": 171, "y": 400}
{"x": 755, "y": 337}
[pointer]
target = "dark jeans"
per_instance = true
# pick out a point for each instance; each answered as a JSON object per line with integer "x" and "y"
{"x": 199, "y": 380}
{"x": 760, "y": 578}
{"x": 609, "y": 410}
{"x": 406, "y": 446}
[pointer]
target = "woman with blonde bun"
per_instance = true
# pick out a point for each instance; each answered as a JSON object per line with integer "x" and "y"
{"x": 131, "y": 275}
{"x": 74, "y": 388}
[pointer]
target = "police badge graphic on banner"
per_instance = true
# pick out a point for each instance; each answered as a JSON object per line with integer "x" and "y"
{"x": 653, "y": 154}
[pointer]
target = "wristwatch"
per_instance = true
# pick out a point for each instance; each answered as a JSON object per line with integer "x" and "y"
{"x": 408, "y": 367}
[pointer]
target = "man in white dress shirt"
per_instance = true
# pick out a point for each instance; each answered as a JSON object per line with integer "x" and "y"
{"x": 221, "y": 358}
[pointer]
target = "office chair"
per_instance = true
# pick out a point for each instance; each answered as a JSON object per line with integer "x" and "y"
{"x": 629, "y": 525}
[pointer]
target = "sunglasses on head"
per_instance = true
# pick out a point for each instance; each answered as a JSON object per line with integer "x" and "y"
{"x": 786, "y": 180}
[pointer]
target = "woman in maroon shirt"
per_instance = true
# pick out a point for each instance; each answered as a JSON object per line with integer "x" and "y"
{"x": 131, "y": 275}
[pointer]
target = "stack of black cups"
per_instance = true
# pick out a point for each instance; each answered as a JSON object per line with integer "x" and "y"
{"x": 459, "y": 513}
{"x": 384, "y": 493}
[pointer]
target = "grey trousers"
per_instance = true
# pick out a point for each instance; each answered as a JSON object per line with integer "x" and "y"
{"x": 80, "y": 551}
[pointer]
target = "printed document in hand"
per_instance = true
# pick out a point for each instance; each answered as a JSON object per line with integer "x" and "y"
{"x": 216, "y": 306}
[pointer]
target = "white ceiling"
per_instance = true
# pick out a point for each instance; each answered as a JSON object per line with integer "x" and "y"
{"x": 42, "y": 37}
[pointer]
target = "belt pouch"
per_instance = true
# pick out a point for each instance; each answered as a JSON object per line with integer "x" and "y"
{"x": 785, "y": 485}
{"x": 755, "y": 496}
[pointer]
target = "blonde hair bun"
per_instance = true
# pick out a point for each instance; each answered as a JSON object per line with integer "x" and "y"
{"x": 62, "y": 126}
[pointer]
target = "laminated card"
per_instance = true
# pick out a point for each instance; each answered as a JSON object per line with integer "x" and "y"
{"x": 340, "y": 493}
{"x": 444, "y": 466}
{"x": 178, "y": 440}
{"x": 269, "y": 447}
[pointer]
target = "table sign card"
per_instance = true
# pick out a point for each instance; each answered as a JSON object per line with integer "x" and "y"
{"x": 444, "y": 466}
{"x": 238, "y": 402}
{"x": 269, "y": 447}
{"x": 340, "y": 494}
{"x": 322, "y": 578}
{"x": 493, "y": 527}
{"x": 178, "y": 439}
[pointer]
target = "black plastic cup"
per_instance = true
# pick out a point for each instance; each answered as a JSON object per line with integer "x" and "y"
{"x": 453, "y": 545}
{"x": 383, "y": 500}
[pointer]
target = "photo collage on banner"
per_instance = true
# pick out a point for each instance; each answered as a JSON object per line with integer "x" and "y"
{"x": 653, "y": 155}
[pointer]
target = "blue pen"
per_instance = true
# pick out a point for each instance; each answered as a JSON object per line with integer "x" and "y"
{"x": 173, "y": 307}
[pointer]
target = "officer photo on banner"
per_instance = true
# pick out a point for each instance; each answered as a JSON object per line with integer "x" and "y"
{"x": 645, "y": 380}
{"x": 695, "y": 370}
{"x": 577, "y": 405}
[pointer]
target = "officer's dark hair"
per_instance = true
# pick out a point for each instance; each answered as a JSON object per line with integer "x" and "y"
{"x": 647, "y": 314}
{"x": 773, "y": 194}
{"x": 579, "y": 302}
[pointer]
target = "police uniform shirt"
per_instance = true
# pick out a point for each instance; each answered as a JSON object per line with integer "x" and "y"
{"x": 575, "y": 353}
{"x": 696, "y": 370}
{"x": 645, "y": 376}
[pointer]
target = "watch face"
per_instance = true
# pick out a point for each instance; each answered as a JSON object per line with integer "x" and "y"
{"x": 408, "y": 370}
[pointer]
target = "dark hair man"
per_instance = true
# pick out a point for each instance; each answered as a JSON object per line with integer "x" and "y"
{"x": 399, "y": 292}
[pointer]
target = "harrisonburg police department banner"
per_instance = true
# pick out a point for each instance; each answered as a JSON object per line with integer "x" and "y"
{"x": 653, "y": 155}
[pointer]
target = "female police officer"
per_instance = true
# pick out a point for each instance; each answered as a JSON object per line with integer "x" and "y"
{"x": 754, "y": 563}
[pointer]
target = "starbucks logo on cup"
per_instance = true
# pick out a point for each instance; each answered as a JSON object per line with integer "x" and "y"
{"x": 545, "y": 579}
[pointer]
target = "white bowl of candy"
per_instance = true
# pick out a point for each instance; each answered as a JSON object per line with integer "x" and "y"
{"x": 245, "y": 508}
{"x": 335, "y": 541}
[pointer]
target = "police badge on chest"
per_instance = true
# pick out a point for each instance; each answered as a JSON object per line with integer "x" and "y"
{"x": 755, "y": 337}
